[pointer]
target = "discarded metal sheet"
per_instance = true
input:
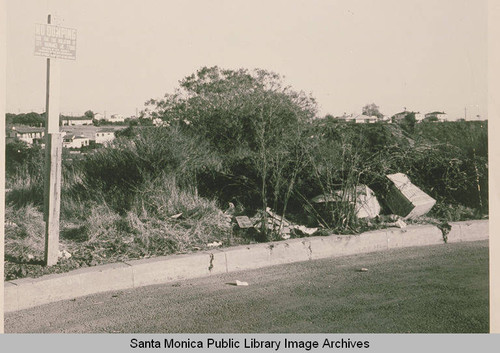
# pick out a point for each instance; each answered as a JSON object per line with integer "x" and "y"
{"x": 277, "y": 217}
{"x": 406, "y": 199}
{"x": 215, "y": 244}
{"x": 305, "y": 230}
{"x": 243, "y": 222}
{"x": 367, "y": 205}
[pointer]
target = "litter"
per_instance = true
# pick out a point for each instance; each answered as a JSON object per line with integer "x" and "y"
{"x": 243, "y": 222}
{"x": 238, "y": 283}
{"x": 279, "y": 224}
{"x": 64, "y": 254}
{"x": 214, "y": 244}
{"x": 363, "y": 269}
{"x": 405, "y": 199}
{"x": 366, "y": 204}
{"x": 304, "y": 229}
{"x": 278, "y": 218}
{"x": 175, "y": 216}
{"x": 401, "y": 224}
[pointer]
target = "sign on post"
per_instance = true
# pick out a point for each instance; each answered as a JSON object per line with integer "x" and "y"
{"x": 55, "y": 42}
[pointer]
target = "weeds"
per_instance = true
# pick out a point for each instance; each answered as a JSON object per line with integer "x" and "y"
{"x": 159, "y": 190}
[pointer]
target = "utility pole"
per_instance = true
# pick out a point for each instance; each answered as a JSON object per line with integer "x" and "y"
{"x": 53, "y": 157}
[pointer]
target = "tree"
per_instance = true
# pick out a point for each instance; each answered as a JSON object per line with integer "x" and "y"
{"x": 31, "y": 119}
{"x": 250, "y": 118}
{"x": 431, "y": 118}
{"x": 372, "y": 110}
{"x": 89, "y": 114}
{"x": 408, "y": 122}
{"x": 224, "y": 105}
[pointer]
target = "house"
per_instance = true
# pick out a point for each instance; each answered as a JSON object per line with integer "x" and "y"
{"x": 98, "y": 116}
{"x": 115, "y": 118}
{"x": 346, "y": 118}
{"x": 419, "y": 116}
{"x": 104, "y": 135}
{"x": 396, "y": 118}
{"x": 72, "y": 141}
{"x": 365, "y": 119}
{"x": 80, "y": 120}
{"x": 399, "y": 116}
{"x": 440, "y": 116}
{"x": 30, "y": 135}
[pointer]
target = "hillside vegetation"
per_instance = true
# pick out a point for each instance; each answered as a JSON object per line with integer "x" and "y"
{"x": 233, "y": 143}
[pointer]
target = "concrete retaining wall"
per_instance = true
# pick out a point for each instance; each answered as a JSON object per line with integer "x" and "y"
{"x": 29, "y": 292}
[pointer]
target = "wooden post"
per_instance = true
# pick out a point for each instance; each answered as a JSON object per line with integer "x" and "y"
{"x": 3, "y": 37}
{"x": 53, "y": 162}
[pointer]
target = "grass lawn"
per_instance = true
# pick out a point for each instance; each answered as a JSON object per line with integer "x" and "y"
{"x": 435, "y": 289}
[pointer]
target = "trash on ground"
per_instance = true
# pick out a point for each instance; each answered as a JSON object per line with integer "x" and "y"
{"x": 11, "y": 224}
{"x": 243, "y": 222}
{"x": 64, "y": 254}
{"x": 278, "y": 224}
{"x": 238, "y": 283}
{"x": 401, "y": 224}
{"x": 230, "y": 210}
{"x": 214, "y": 244}
{"x": 275, "y": 216}
{"x": 175, "y": 216}
{"x": 405, "y": 199}
{"x": 366, "y": 204}
{"x": 305, "y": 230}
{"x": 285, "y": 235}
{"x": 363, "y": 269}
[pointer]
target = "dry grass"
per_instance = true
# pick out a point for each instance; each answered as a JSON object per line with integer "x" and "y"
{"x": 24, "y": 233}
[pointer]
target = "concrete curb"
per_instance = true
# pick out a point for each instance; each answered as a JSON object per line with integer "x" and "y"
{"x": 28, "y": 292}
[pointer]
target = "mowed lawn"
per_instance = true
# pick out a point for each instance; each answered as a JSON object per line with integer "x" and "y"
{"x": 434, "y": 289}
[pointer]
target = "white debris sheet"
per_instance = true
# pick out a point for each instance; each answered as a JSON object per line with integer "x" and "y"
{"x": 405, "y": 199}
{"x": 367, "y": 205}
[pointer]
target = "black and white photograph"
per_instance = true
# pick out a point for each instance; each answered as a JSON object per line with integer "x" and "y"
{"x": 245, "y": 167}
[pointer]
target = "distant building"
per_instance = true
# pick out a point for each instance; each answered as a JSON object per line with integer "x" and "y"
{"x": 346, "y": 118}
{"x": 72, "y": 121}
{"x": 104, "y": 135}
{"x": 28, "y": 134}
{"x": 419, "y": 116}
{"x": 72, "y": 141}
{"x": 115, "y": 118}
{"x": 399, "y": 116}
{"x": 365, "y": 119}
{"x": 440, "y": 116}
{"x": 98, "y": 116}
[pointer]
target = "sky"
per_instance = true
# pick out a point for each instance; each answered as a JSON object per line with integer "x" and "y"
{"x": 424, "y": 55}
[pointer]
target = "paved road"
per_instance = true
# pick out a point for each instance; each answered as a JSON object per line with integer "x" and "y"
{"x": 404, "y": 290}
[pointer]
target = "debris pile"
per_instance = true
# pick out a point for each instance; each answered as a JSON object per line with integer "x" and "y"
{"x": 404, "y": 199}
{"x": 275, "y": 223}
{"x": 64, "y": 254}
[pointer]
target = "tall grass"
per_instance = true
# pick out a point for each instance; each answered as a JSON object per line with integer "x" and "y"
{"x": 161, "y": 190}
{"x": 24, "y": 233}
